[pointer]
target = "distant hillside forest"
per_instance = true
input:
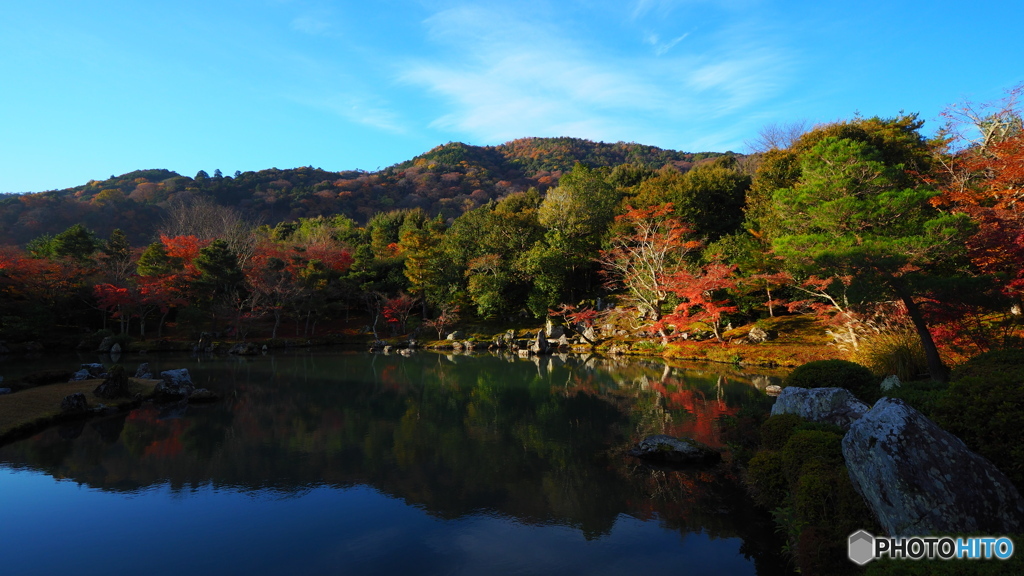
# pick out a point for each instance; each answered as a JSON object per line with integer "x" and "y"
{"x": 448, "y": 181}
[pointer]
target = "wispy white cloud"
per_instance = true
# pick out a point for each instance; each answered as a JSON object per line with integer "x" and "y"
{"x": 662, "y": 48}
{"x": 354, "y": 108}
{"x": 524, "y": 78}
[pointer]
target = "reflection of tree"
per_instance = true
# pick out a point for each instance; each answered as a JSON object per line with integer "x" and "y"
{"x": 541, "y": 445}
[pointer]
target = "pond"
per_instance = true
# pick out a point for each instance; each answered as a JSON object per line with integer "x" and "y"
{"x": 353, "y": 463}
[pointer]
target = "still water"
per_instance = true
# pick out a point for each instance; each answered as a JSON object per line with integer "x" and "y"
{"x": 352, "y": 463}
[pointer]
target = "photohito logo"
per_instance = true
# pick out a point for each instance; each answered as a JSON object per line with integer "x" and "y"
{"x": 862, "y": 547}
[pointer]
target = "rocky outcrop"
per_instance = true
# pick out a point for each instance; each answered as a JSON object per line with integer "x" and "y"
{"x": 116, "y": 385}
{"x": 918, "y": 479}
{"x": 540, "y": 344}
{"x": 832, "y": 405}
{"x": 456, "y": 335}
{"x": 74, "y": 404}
{"x": 670, "y": 450}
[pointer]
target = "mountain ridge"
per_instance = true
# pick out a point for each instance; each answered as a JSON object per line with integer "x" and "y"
{"x": 447, "y": 180}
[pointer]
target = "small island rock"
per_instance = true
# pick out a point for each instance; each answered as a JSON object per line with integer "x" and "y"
{"x": 670, "y": 450}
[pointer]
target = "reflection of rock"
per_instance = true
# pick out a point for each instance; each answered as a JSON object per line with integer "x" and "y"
{"x": 109, "y": 429}
{"x": 832, "y": 405}
{"x": 669, "y": 450}
{"x": 115, "y": 349}
{"x": 71, "y": 431}
{"x": 74, "y": 404}
{"x": 919, "y": 479}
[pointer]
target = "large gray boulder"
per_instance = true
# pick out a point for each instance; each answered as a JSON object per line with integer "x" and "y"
{"x": 670, "y": 450}
{"x": 832, "y": 405}
{"x": 918, "y": 479}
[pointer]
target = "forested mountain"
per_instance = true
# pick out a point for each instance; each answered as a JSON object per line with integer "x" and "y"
{"x": 448, "y": 180}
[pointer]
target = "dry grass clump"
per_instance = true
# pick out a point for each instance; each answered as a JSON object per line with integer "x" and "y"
{"x": 895, "y": 350}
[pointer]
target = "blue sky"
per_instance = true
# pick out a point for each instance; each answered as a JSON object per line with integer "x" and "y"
{"x": 94, "y": 88}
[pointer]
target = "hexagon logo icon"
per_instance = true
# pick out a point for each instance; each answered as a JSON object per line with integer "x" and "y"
{"x": 861, "y": 547}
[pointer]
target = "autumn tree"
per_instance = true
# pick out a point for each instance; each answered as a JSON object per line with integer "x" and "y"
{"x": 655, "y": 246}
{"x": 855, "y": 211}
{"x": 983, "y": 176}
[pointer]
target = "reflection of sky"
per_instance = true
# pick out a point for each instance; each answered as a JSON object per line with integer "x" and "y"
{"x": 52, "y": 527}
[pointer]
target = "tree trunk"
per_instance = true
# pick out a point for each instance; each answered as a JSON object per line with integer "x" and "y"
{"x": 936, "y": 369}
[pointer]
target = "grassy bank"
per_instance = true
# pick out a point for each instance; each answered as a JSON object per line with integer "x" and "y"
{"x": 26, "y": 412}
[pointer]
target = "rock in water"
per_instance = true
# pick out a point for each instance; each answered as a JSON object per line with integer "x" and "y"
{"x": 143, "y": 371}
{"x": 918, "y": 479}
{"x": 832, "y": 405}
{"x": 74, "y": 404}
{"x": 671, "y": 450}
{"x": 176, "y": 385}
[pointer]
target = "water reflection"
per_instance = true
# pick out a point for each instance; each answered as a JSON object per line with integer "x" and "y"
{"x": 538, "y": 441}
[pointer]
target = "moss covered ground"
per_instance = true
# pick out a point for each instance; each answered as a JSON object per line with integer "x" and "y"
{"x": 29, "y": 410}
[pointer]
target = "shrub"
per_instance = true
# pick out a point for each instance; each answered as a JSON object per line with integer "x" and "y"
{"x": 776, "y": 430}
{"x": 811, "y": 446}
{"x": 836, "y": 374}
{"x": 923, "y": 395}
{"x": 767, "y": 481}
{"x": 987, "y": 413}
{"x": 992, "y": 362}
{"x": 807, "y": 486}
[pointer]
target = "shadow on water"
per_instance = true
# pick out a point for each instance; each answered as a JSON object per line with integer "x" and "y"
{"x": 540, "y": 441}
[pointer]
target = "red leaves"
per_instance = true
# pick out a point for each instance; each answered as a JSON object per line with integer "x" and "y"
{"x": 700, "y": 295}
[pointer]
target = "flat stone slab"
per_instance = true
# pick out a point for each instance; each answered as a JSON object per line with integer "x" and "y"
{"x": 670, "y": 450}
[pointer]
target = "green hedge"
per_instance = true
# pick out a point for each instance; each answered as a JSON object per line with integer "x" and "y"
{"x": 836, "y": 374}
